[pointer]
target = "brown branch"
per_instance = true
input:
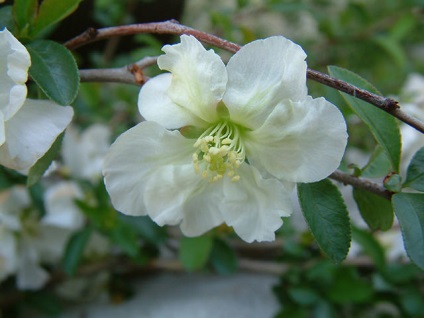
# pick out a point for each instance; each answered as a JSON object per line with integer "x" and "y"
{"x": 173, "y": 27}
{"x": 361, "y": 183}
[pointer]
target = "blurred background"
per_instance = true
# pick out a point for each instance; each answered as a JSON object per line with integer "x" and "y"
{"x": 65, "y": 252}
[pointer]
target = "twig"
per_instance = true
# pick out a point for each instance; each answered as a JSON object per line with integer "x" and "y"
{"x": 173, "y": 27}
{"x": 361, "y": 183}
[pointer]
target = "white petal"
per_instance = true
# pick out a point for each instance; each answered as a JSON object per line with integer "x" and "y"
{"x": 32, "y": 131}
{"x": 300, "y": 141}
{"x": 14, "y": 64}
{"x": 2, "y": 130}
{"x": 260, "y": 75}
{"x": 199, "y": 77}
{"x": 61, "y": 210}
{"x": 31, "y": 275}
{"x": 8, "y": 253}
{"x": 154, "y": 104}
{"x": 144, "y": 151}
{"x": 254, "y": 205}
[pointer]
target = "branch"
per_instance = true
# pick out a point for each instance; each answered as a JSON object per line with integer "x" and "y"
{"x": 130, "y": 74}
{"x": 173, "y": 27}
{"x": 361, "y": 183}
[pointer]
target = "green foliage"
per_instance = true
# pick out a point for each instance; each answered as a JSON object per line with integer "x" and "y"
{"x": 24, "y": 12}
{"x": 327, "y": 216}
{"x": 38, "y": 169}
{"x": 6, "y": 18}
{"x": 415, "y": 173}
{"x": 223, "y": 258}
{"x": 376, "y": 211}
{"x": 370, "y": 246}
{"x": 194, "y": 251}
{"x": 54, "y": 70}
{"x": 382, "y": 125}
{"x": 74, "y": 250}
{"x": 378, "y": 165}
{"x": 409, "y": 209}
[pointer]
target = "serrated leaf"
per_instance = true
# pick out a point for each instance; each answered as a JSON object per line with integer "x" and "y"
{"x": 54, "y": 70}
{"x": 409, "y": 209}
{"x": 195, "y": 251}
{"x": 223, "y": 258}
{"x": 42, "y": 164}
{"x": 74, "y": 250}
{"x": 376, "y": 211}
{"x": 370, "y": 246}
{"x": 382, "y": 125}
{"x": 53, "y": 11}
{"x": 327, "y": 216}
{"x": 415, "y": 173}
{"x": 24, "y": 12}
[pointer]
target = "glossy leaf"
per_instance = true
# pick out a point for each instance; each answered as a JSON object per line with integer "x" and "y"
{"x": 53, "y": 11}
{"x": 409, "y": 209}
{"x": 24, "y": 12}
{"x": 195, "y": 251}
{"x": 74, "y": 250}
{"x": 54, "y": 70}
{"x": 327, "y": 216}
{"x": 415, "y": 173}
{"x": 382, "y": 125}
{"x": 376, "y": 211}
{"x": 42, "y": 164}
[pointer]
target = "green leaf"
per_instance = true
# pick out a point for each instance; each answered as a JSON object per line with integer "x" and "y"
{"x": 195, "y": 251}
{"x": 74, "y": 250}
{"x": 53, "y": 11}
{"x": 378, "y": 166}
{"x": 6, "y": 18}
{"x": 223, "y": 258}
{"x": 370, "y": 246}
{"x": 415, "y": 173}
{"x": 145, "y": 227}
{"x": 376, "y": 211}
{"x": 393, "y": 49}
{"x": 383, "y": 126}
{"x": 303, "y": 295}
{"x": 126, "y": 238}
{"x": 409, "y": 209}
{"x": 42, "y": 164}
{"x": 393, "y": 182}
{"x": 327, "y": 216}
{"x": 54, "y": 70}
{"x": 25, "y": 12}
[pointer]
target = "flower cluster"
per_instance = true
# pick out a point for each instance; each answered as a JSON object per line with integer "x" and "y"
{"x": 224, "y": 143}
{"x": 28, "y": 127}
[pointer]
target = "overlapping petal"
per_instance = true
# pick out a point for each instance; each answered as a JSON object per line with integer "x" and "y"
{"x": 155, "y": 105}
{"x": 260, "y": 75}
{"x": 198, "y": 80}
{"x": 254, "y": 205}
{"x": 14, "y": 64}
{"x": 300, "y": 141}
{"x": 32, "y": 131}
{"x": 146, "y": 150}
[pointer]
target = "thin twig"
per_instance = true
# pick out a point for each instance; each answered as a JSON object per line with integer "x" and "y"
{"x": 173, "y": 27}
{"x": 361, "y": 183}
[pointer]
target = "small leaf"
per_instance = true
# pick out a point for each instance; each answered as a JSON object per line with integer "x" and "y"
{"x": 382, "y": 125}
{"x": 409, "y": 209}
{"x": 376, "y": 211}
{"x": 378, "y": 166}
{"x": 42, "y": 164}
{"x": 52, "y": 11}
{"x": 195, "y": 251}
{"x": 393, "y": 182}
{"x": 370, "y": 246}
{"x": 54, "y": 70}
{"x": 415, "y": 173}
{"x": 327, "y": 216}
{"x": 25, "y": 12}
{"x": 74, "y": 250}
{"x": 223, "y": 258}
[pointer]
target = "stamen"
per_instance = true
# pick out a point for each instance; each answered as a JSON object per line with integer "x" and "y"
{"x": 219, "y": 152}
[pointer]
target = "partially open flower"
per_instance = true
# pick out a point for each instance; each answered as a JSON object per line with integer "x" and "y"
{"x": 225, "y": 143}
{"x": 28, "y": 127}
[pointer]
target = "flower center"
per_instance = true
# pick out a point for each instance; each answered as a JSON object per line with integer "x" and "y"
{"x": 219, "y": 152}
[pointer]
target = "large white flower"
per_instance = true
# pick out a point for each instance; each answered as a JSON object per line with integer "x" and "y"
{"x": 27, "y": 127}
{"x": 224, "y": 143}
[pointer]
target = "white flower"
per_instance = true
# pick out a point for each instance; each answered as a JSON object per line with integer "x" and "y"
{"x": 83, "y": 153}
{"x": 27, "y": 127}
{"x": 259, "y": 133}
{"x": 8, "y": 255}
